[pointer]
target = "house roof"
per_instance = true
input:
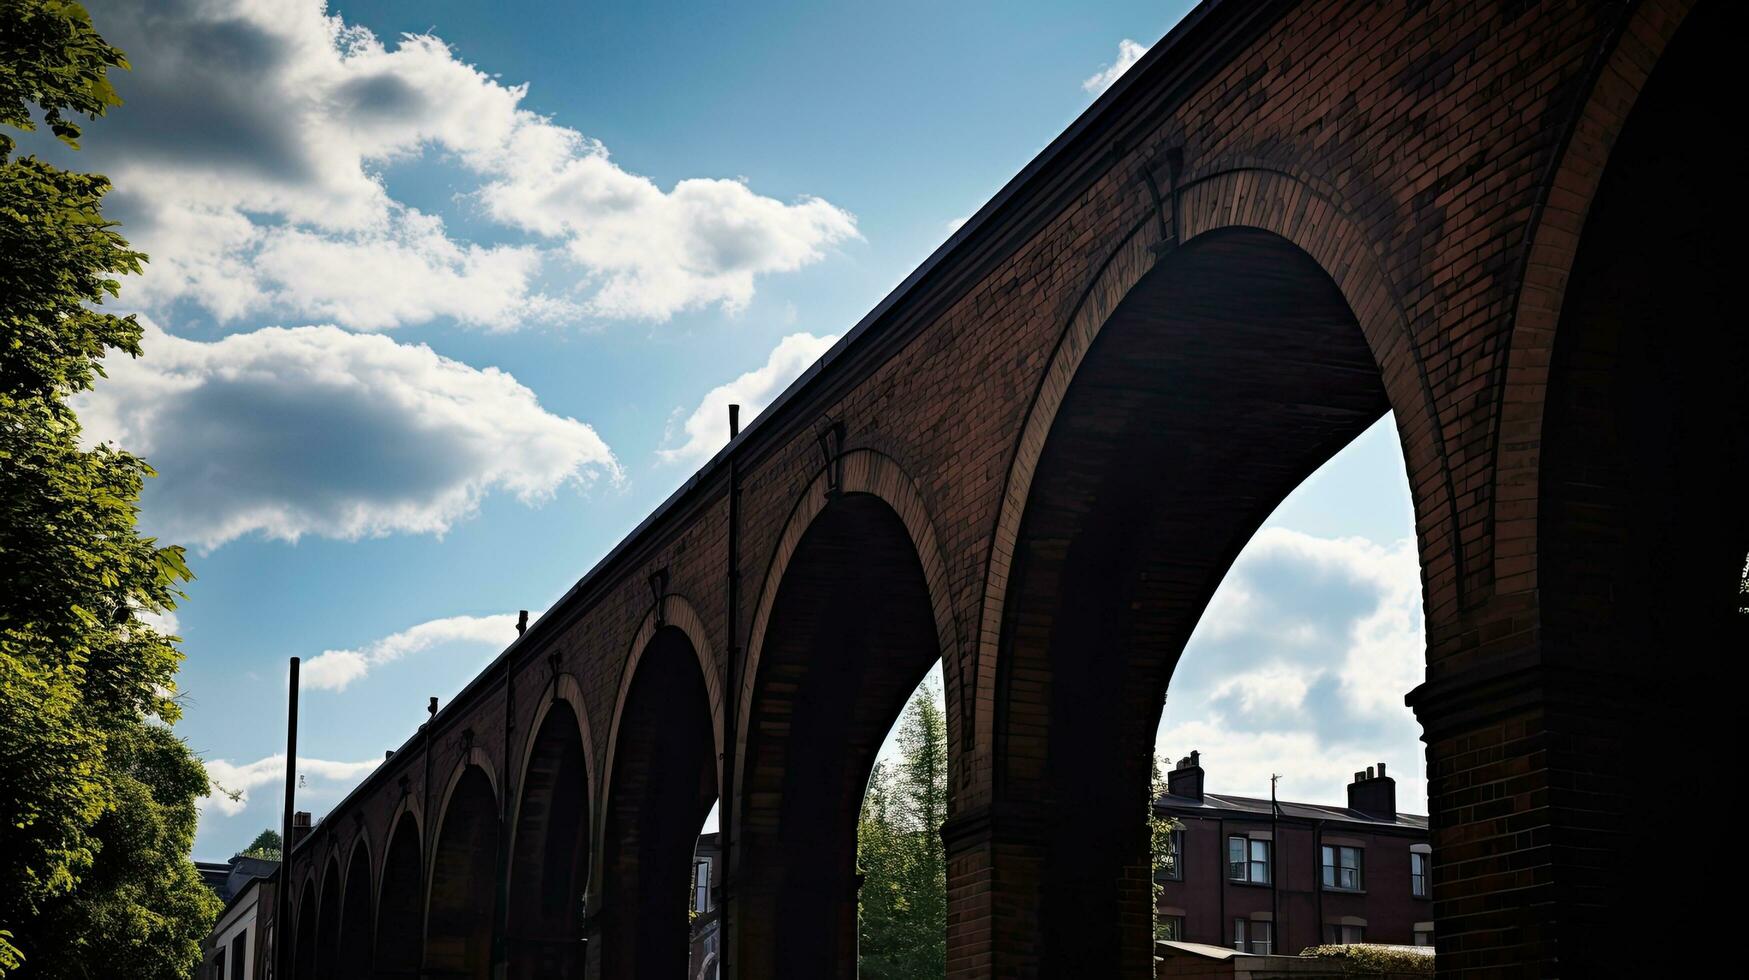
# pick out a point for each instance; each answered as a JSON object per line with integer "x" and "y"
{"x": 1219, "y": 804}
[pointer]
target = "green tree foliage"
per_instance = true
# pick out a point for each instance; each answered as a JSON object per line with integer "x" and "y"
{"x": 97, "y": 816}
{"x": 1160, "y": 831}
{"x": 266, "y": 844}
{"x": 903, "y": 907}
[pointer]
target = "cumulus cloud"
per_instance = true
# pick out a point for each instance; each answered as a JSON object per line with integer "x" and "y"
{"x": 313, "y": 430}
{"x": 251, "y": 162}
{"x": 706, "y": 430}
{"x": 1299, "y": 667}
{"x": 1128, "y": 53}
{"x": 334, "y": 670}
{"x": 229, "y": 784}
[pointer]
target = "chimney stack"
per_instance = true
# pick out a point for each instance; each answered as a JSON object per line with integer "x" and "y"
{"x": 300, "y": 829}
{"x": 1185, "y": 779}
{"x": 1373, "y": 794}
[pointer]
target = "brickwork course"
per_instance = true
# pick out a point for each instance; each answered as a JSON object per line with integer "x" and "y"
{"x": 1036, "y": 459}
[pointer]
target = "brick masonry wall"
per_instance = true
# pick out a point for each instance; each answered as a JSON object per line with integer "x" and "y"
{"x": 1436, "y": 158}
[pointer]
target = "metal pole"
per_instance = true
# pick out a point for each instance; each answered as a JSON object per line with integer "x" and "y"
{"x": 727, "y": 950}
{"x": 282, "y": 901}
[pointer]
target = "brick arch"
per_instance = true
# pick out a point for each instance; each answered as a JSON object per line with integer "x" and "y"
{"x": 305, "y": 955}
{"x": 677, "y": 613}
{"x": 463, "y": 869}
{"x": 658, "y": 783}
{"x": 551, "y": 834}
{"x": 865, "y": 471}
{"x": 400, "y": 908}
{"x": 1312, "y": 218}
{"x": 357, "y": 912}
{"x": 1639, "y": 535}
{"x": 1553, "y": 238}
{"x": 1228, "y": 373}
{"x": 853, "y": 614}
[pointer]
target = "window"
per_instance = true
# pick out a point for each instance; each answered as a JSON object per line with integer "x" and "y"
{"x": 701, "y": 886}
{"x": 1174, "y": 869}
{"x": 1337, "y": 933}
{"x": 1423, "y": 937}
{"x": 1172, "y": 927}
{"x": 1418, "y": 874}
{"x": 1252, "y": 936}
{"x": 1248, "y": 860}
{"x": 239, "y": 955}
{"x": 1342, "y": 868}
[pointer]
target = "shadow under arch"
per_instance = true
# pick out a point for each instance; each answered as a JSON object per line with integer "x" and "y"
{"x": 464, "y": 861}
{"x": 1231, "y": 371}
{"x": 661, "y": 780}
{"x": 400, "y": 926}
{"x": 357, "y": 916}
{"x": 328, "y": 917}
{"x": 305, "y": 953}
{"x": 550, "y": 841}
{"x": 853, "y": 616}
{"x": 1640, "y": 529}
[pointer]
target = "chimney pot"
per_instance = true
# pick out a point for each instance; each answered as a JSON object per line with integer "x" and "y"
{"x": 1186, "y": 780}
{"x": 1381, "y": 770}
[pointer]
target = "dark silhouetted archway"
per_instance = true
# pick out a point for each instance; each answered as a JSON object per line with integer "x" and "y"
{"x": 1642, "y": 533}
{"x": 662, "y": 784}
{"x": 357, "y": 919}
{"x": 400, "y": 926}
{"x": 1229, "y": 374}
{"x": 305, "y": 955}
{"x": 851, "y": 634}
{"x": 549, "y": 868}
{"x": 328, "y": 917}
{"x": 458, "y": 922}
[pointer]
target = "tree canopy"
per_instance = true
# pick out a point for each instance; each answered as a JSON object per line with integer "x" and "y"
{"x": 902, "y": 911}
{"x": 98, "y": 815}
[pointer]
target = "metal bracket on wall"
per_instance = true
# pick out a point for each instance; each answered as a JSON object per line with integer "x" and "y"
{"x": 831, "y": 441}
{"x": 1168, "y": 227}
{"x": 659, "y": 594}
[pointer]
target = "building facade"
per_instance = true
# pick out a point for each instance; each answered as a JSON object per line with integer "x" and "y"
{"x": 239, "y": 947}
{"x": 1266, "y": 877}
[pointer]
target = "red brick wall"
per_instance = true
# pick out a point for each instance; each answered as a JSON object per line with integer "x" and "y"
{"x": 1436, "y": 159}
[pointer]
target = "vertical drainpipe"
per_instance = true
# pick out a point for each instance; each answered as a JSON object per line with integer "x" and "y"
{"x": 425, "y": 831}
{"x": 501, "y": 906}
{"x": 731, "y": 699}
{"x": 1318, "y": 876}
{"x": 282, "y": 898}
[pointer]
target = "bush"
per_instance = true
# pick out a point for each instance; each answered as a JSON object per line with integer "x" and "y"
{"x": 1361, "y": 960}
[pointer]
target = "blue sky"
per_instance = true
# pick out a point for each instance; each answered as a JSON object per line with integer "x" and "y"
{"x": 446, "y": 296}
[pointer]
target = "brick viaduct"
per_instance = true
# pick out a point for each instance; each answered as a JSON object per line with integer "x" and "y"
{"x": 1036, "y": 459}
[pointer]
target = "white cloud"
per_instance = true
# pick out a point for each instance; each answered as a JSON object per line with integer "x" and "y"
{"x": 251, "y": 161}
{"x": 314, "y": 430}
{"x": 1128, "y": 53}
{"x": 707, "y": 429}
{"x": 334, "y": 670}
{"x": 322, "y": 778}
{"x": 1299, "y": 666}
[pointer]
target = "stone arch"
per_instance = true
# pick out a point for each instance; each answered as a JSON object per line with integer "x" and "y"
{"x": 1226, "y": 374}
{"x": 357, "y": 914}
{"x": 400, "y": 918}
{"x": 854, "y": 612}
{"x": 659, "y": 783}
{"x": 464, "y": 870}
{"x": 551, "y": 834}
{"x": 1312, "y": 218}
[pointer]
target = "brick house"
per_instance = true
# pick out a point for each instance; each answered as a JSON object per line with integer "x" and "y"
{"x": 1263, "y": 877}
